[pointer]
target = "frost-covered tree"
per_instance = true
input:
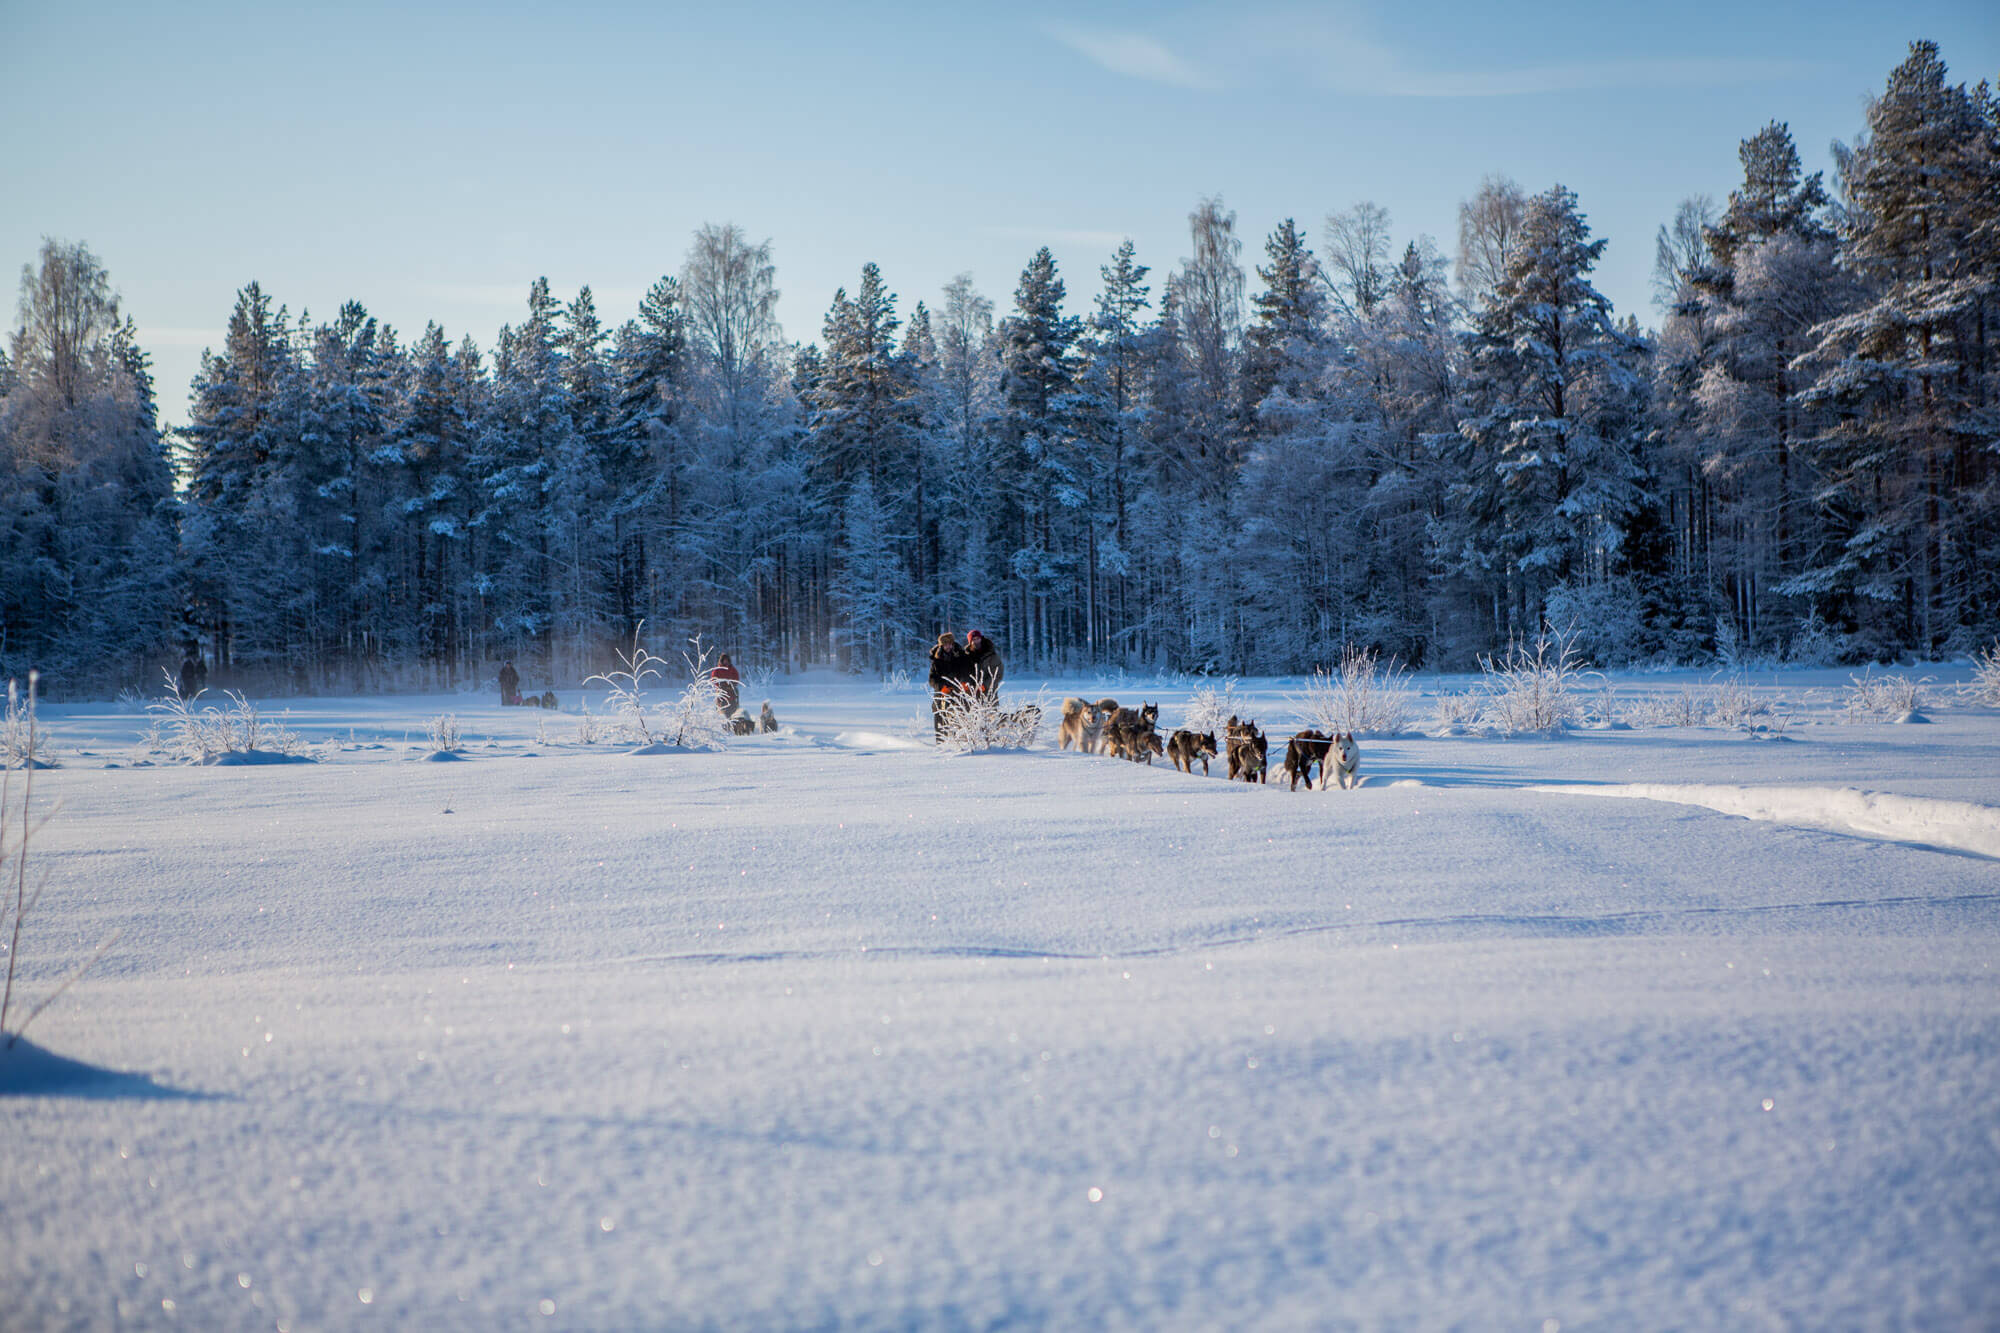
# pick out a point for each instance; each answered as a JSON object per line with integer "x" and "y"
{"x": 86, "y": 510}
{"x": 1487, "y": 225}
{"x": 1906, "y": 377}
{"x": 1551, "y": 477}
{"x": 1208, "y": 304}
{"x": 1045, "y": 490}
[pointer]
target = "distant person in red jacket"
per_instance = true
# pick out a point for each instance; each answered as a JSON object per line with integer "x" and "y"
{"x": 728, "y": 684}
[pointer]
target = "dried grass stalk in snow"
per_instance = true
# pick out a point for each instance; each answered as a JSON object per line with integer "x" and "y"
{"x": 17, "y": 830}
{"x": 1985, "y": 684}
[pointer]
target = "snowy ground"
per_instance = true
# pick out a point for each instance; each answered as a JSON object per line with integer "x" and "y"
{"x": 830, "y": 1031}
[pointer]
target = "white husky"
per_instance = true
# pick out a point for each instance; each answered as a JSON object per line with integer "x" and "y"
{"x": 1342, "y": 763}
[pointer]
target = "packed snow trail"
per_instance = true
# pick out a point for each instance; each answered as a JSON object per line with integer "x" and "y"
{"x": 1958, "y": 826}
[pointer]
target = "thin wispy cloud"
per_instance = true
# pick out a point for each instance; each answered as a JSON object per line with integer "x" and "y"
{"x": 1338, "y": 50}
{"x": 1132, "y": 54}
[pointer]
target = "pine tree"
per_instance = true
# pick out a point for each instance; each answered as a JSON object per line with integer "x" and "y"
{"x": 1037, "y": 373}
{"x": 1906, "y": 377}
{"x": 1289, "y": 322}
{"x": 1551, "y": 479}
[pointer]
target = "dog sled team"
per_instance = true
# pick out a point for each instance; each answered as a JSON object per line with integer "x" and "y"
{"x": 1102, "y": 727}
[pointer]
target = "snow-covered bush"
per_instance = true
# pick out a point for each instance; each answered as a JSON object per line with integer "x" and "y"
{"x": 1210, "y": 709}
{"x": 971, "y": 721}
{"x": 897, "y": 682}
{"x": 18, "y": 733}
{"x": 1814, "y": 643}
{"x": 1731, "y": 702}
{"x": 637, "y": 669}
{"x": 1872, "y": 696}
{"x": 1459, "y": 709}
{"x": 1532, "y": 689}
{"x": 443, "y": 730}
{"x": 1680, "y": 708}
{"x": 1985, "y": 684}
{"x": 589, "y": 728}
{"x": 186, "y": 730}
{"x": 692, "y": 720}
{"x": 1366, "y": 695}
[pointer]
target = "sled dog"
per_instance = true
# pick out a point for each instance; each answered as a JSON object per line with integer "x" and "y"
{"x": 1343, "y": 763}
{"x": 1302, "y": 753}
{"x": 1082, "y": 726}
{"x": 1187, "y": 746}
{"x": 1248, "y": 751}
{"x": 766, "y": 719}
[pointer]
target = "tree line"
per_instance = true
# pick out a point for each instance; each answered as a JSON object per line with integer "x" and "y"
{"x": 1368, "y": 444}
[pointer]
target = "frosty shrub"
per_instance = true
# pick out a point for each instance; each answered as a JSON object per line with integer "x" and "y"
{"x": 1731, "y": 703}
{"x": 969, "y": 722}
{"x": 1460, "y": 708}
{"x": 1814, "y": 643}
{"x": 693, "y": 721}
{"x": 1210, "y": 709}
{"x": 443, "y": 730}
{"x": 1681, "y": 708}
{"x": 896, "y": 682}
{"x": 1872, "y": 696}
{"x": 1366, "y": 695}
{"x": 1985, "y": 684}
{"x": 637, "y": 668}
{"x": 184, "y": 729}
{"x": 589, "y": 728}
{"x": 18, "y": 734}
{"x": 1532, "y": 689}
{"x": 17, "y": 830}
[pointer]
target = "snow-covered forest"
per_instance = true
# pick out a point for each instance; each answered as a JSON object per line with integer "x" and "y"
{"x": 1354, "y": 439}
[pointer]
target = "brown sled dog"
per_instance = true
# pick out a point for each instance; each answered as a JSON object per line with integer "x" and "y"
{"x": 1303, "y": 753}
{"x": 1248, "y": 751}
{"x": 1132, "y": 733}
{"x": 1188, "y": 746}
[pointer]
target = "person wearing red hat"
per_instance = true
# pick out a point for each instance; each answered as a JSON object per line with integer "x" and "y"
{"x": 982, "y": 663}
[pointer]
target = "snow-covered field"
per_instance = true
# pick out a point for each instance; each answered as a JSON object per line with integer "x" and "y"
{"x": 832, "y": 1031}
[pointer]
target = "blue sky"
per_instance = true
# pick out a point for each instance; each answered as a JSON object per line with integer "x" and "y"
{"x": 432, "y": 160}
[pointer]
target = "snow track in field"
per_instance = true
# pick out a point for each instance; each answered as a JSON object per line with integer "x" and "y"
{"x": 1958, "y": 826}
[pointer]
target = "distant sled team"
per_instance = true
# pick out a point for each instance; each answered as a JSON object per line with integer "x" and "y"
{"x": 1102, "y": 727}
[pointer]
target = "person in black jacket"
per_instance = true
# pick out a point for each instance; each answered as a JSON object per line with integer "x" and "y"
{"x": 510, "y": 684}
{"x": 948, "y": 676}
{"x": 984, "y": 668}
